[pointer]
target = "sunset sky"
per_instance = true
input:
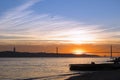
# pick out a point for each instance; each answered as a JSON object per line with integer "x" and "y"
{"x": 58, "y": 22}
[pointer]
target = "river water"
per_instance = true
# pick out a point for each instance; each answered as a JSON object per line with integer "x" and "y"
{"x": 40, "y": 68}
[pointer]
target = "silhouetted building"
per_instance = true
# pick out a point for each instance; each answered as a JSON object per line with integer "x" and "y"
{"x": 14, "y": 49}
{"x": 111, "y": 51}
{"x": 56, "y": 50}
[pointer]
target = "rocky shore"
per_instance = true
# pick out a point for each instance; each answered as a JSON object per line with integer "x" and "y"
{"x": 100, "y": 75}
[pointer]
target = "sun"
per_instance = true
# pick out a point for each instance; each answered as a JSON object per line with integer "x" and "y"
{"x": 78, "y": 52}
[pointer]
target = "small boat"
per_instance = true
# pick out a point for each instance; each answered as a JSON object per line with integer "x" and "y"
{"x": 115, "y": 60}
{"x": 113, "y": 65}
{"x": 94, "y": 67}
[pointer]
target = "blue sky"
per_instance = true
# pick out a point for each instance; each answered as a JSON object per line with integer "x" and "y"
{"x": 84, "y": 20}
{"x": 91, "y": 11}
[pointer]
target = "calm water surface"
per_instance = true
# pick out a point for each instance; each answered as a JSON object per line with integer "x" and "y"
{"x": 40, "y": 68}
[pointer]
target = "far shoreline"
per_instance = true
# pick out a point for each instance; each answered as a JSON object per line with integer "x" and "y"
{"x": 10, "y": 54}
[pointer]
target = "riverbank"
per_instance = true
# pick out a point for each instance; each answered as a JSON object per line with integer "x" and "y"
{"x": 101, "y": 75}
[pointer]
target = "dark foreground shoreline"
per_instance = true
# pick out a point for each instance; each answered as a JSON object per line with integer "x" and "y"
{"x": 100, "y": 75}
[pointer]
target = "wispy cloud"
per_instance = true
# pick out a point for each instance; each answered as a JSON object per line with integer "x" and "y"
{"x": 22, "y": 23}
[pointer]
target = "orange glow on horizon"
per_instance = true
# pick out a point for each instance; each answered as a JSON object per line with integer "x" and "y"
{"x": 78, "y": 51}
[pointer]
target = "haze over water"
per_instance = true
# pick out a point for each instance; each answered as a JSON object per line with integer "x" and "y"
{"x": 40, "y": 68}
